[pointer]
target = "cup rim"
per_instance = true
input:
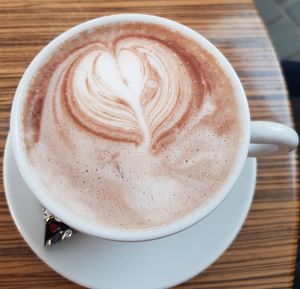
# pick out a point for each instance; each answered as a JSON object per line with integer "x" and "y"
{"x": 98, "y": 230}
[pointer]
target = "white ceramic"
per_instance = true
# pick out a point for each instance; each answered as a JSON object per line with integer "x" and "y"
{"x": 162, "y": 263}
{"x": 271, "y": 138}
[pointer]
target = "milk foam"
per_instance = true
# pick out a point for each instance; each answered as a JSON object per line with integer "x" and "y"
{"x": 132, "y": 131}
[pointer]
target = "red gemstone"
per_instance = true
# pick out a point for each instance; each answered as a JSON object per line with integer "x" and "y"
{"x": 53, "y": 227}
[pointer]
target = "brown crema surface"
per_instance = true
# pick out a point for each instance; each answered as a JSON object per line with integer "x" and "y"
{"x": 131, "y": 125}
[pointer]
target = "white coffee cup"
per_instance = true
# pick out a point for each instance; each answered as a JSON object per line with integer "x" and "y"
{"x": 260, "y": 138}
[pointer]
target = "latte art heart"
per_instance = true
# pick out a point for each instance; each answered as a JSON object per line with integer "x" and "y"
{"x": 131, "y": 125}
{"x": 135, "y": 90}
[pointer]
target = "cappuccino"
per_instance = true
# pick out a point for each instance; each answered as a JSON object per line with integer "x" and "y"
{"x": 132, "y": 125}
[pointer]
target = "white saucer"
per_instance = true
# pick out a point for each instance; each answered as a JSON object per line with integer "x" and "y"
{"x": 97, "y": 263}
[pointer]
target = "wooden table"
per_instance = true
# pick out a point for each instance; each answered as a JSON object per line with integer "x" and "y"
{"x": 264, "y": 253}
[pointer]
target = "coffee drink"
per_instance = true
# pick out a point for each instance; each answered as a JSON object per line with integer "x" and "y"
{"x": 132, "y": 125}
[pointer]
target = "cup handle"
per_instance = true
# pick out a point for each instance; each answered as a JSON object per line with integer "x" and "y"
{"x": 271, "y": 138}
